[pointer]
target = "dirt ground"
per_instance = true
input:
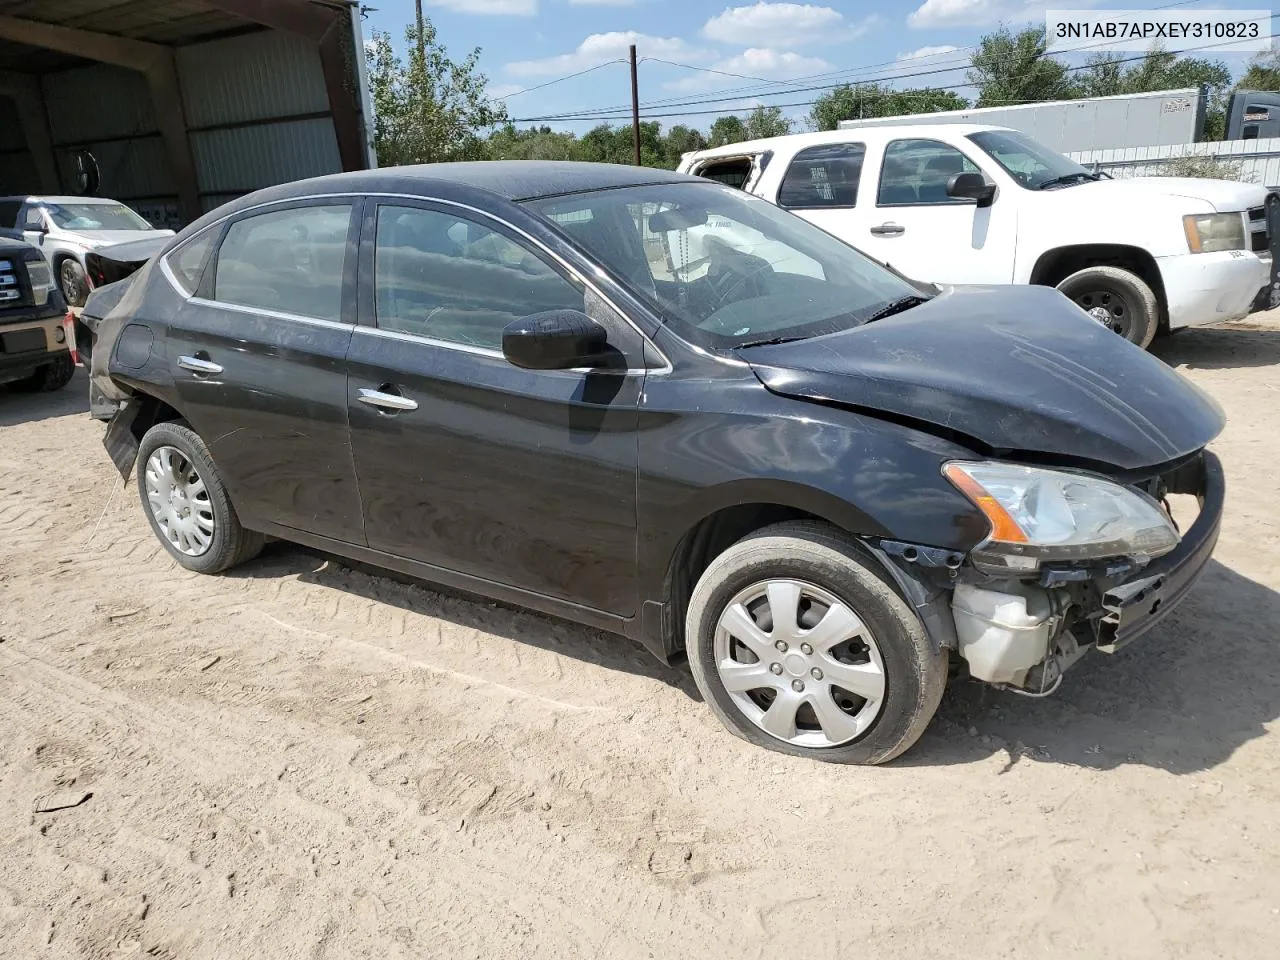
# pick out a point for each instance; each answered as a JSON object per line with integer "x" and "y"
{"x": 300, "y": 760}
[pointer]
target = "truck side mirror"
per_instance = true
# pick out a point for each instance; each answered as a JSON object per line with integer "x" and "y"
{"x": 971, "y": 186}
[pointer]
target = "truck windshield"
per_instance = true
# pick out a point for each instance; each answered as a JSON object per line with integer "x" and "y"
{"x": 95, "y": 216}
{"x": 1030, "y": 162}
{"x": 726, "y": 269}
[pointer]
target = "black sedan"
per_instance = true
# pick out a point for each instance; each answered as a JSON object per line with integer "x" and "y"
{"x": 657, "y": 405}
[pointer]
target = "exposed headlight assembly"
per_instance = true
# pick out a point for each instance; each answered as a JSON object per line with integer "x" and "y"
{"x": 1038, "y": 515}
{"x": 1214, "y": 232}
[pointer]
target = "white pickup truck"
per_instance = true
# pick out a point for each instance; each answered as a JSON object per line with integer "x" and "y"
{"x": 970, "y": 204}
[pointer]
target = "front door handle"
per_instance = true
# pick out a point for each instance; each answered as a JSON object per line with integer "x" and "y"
{"x": 889, "y": 229}
{"x": 386, "y": 401}
{"x": 198, "y": 365}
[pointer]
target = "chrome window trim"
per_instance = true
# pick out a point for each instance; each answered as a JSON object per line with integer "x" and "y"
{"x": 355, "y": 196}
{"x": 273, "y": 314}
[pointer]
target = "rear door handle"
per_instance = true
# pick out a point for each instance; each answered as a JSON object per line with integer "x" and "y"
{"x": 889, "y": 229}
{"x": 197, "y": 365}
{"x": 386, "y": 401}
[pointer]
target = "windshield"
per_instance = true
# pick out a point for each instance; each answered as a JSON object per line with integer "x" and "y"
{"x": 1030, "y": 162}
{"x": 723, "y": 268}
{"x": 95, "y": 216}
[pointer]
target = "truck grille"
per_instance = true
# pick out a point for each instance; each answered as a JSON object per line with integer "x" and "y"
{"x": 10, "y": 293}
{"x": 1259, "y": 236}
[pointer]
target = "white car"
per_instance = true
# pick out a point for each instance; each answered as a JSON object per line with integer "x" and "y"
{"x": 66, "y": 228}
{"x": 972, "y": 204}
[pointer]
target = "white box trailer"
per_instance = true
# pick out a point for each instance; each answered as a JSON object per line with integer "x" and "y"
{"x": 1095, "y": 123}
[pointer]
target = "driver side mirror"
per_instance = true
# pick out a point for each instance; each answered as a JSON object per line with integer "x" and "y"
{"x": 971, "y": 186}
{"x": 556, "y": 340}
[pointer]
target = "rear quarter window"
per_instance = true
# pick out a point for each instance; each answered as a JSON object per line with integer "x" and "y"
{"x": 823, "y": 176}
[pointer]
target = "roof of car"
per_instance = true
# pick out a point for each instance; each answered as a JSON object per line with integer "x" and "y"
{"x": 510, "y": 179}
{"x": 43, "y": 198}
{"x": 877, "y": 131}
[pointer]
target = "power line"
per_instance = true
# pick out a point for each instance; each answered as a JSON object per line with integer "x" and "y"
{"x": 960, "y": 61}
{"x": 549, "y": 83}
{"x": 596, "y": 115}
{"x": 960, "y": 57}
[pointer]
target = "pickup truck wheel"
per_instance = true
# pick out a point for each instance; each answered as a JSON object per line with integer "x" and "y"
{"x": 798, "y": 645}
{"x": 50, "y": 377}
{"x": 74, "y": 283}
{"x": 186, "y": 503}
{"x": 1117, "y": 298}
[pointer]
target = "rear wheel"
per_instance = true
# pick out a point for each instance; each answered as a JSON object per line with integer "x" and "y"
{"x": 186, "y": 503}
{"x": 798, "y": 645}
{"x": 50, "y": 377}
{"x": 1118, "y": 299}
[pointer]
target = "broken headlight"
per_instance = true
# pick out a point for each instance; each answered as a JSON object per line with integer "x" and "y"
{"x": 1038, "y": 515}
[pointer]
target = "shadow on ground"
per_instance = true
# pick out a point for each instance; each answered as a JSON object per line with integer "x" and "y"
{"x": 17, "y": 407}
{"x": 1182, "y": 698}
{"x": 469, "y": 612}
{"x": 1243, "y": 344}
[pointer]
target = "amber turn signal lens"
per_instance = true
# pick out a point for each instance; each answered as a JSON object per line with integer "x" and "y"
{"x": 1003, "y": 527}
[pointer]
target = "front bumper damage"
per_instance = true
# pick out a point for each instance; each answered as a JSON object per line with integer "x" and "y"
{"x": 1023, "y": 634}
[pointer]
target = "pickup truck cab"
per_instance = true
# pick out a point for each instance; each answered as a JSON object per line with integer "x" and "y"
{"x": 33, "y": 337}
{"x": 67, "y": 228}
{"x": 975, "y": 204}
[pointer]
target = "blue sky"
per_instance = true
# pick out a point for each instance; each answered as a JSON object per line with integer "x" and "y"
{"x": 755, "y": 45}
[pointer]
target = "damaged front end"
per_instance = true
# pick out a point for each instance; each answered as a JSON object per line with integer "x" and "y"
{"x": 1074, "y": 563}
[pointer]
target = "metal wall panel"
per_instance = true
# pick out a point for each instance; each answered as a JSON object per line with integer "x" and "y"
{"x": 130, "y": 169}
{"x": 241, "y": 159}
{"x": 17, "y": 173}
{"x": 257, "y": 76}
{"x": 1259, "y": 160}
{"x": 96, "y": 103}
{"x": 11, "y": 133}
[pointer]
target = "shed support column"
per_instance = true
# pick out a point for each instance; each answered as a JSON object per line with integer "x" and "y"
{"x": 26, "y": 94}
{"x": 335, "y": 48}
{"x": 166, "y": 98}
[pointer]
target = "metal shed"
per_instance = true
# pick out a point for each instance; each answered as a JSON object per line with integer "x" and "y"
{"x": 183, "y": 104}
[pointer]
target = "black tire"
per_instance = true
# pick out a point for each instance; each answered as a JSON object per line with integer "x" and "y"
{"x": 1131, "y": 305}
{"x": 50, "y": 377}
{"x": 231, "y": 543}
{"x": 915, "y": 670}
{"x": 72, "y": 282}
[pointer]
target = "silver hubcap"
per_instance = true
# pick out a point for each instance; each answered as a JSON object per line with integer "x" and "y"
{"x": 179, "y": 501}
{"x": 799, "y": 663}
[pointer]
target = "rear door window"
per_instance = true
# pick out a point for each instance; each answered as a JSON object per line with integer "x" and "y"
{"x": 188, "y": 261}
{"x": 822, "y": 177}
{"x": 288, "y": 261}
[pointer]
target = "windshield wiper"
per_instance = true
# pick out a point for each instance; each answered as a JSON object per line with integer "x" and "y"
{"x": 1067, "y": 179}
{"x": 896, "y": 306}
{"x": 768, "y": 342}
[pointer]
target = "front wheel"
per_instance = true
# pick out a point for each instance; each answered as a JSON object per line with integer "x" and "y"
{"x": 74, "y": 283}
{"x": 50, "y": 377}
{"x": 799, "y": 645}
{"x": 1117, "y": 298}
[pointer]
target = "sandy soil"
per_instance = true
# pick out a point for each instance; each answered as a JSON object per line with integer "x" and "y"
{"x": 302, "y": 760}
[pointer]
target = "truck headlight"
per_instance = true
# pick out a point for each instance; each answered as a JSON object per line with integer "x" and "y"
{"x": 1039, "y": 514}
{"x": 41, "y": 278}
{"x": 1214, "y": 232}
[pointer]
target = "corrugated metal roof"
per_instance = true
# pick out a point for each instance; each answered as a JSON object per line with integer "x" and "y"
{"x": 254, "y": 77}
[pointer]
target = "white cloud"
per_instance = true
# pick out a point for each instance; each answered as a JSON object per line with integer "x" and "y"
{"x": 762, "y": 63}
{"x": 499, "y": 91}
{"x": 501, "y": 8}
{"x": 924, "y": 53}
{"x": 600, "y": 47}
{"x": 980, "y": 13}
{"x": 602, "y": 3}
{"x": 784, "y": 25}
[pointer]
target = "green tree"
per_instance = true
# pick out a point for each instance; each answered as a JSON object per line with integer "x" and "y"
{"x": 868, "y": 100}
{"x": 1263, "y": 72}
{"x": 679, "y": 141}
{"x": 435, "y": 108}
{"x": 725, "y": 130}
{"x": 1009, "y": 68}
{"x": 767, "y": 122}
{"x": 536, "y": 143}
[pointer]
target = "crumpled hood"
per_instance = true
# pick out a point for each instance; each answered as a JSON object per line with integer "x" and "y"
{"x": 1225, "y": 196}
{"x": 1017, "y": 369}
{"x": 105, "y": 238}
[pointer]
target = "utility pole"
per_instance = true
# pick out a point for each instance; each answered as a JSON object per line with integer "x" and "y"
{"x": 422, "y": 49}
{"x": 635, "y": 106}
